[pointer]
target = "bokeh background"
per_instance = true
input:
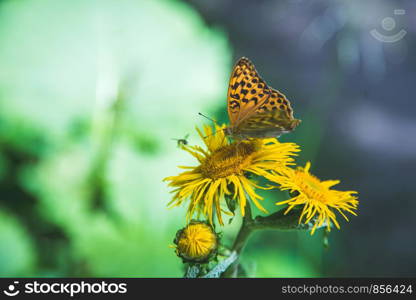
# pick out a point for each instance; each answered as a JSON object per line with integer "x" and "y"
{"x": 93, "y": 92}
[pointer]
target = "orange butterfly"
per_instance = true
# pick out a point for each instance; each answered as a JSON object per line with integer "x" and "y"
{"x": 256, "y": 110}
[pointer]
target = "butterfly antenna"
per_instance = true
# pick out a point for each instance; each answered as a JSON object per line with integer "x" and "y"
{"x": 212, "y": 120}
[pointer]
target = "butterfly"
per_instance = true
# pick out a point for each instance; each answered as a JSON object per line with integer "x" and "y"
{"x": 256, "y": 110}
{"x": 182, "y": 142}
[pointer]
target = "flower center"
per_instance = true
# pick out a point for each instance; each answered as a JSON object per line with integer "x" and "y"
{"x": 312, "y": 187}
{"x": 229, "y": 160}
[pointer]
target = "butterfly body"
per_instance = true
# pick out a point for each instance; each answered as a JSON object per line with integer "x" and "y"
{"x": 256, "y": 110}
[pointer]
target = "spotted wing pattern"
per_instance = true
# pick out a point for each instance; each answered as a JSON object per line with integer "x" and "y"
{"x": 246, "y": 91}
{"x": 255, "y": 109}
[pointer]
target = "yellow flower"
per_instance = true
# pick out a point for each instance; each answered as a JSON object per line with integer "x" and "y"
{"x": 222, "y": 172}
{"x": 197, "y": 242}
{"x": 317, "y": 197}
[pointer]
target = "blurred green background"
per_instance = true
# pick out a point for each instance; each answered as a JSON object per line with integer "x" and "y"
{"x": 93, "y": 92}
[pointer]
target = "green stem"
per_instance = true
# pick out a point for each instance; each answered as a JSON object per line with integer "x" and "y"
{"x": 243, "y": 234}
{"x": 278, "y": 221}
{"x": 281, "y": 221}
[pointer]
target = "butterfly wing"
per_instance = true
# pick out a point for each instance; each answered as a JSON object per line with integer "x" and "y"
{"x": 271, "y": 118}
{"x": 247, "y": 91}
{"x": 277, "y": 102}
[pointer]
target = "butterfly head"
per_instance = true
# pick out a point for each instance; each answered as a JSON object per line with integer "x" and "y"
{"x": 228, "y": 131}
